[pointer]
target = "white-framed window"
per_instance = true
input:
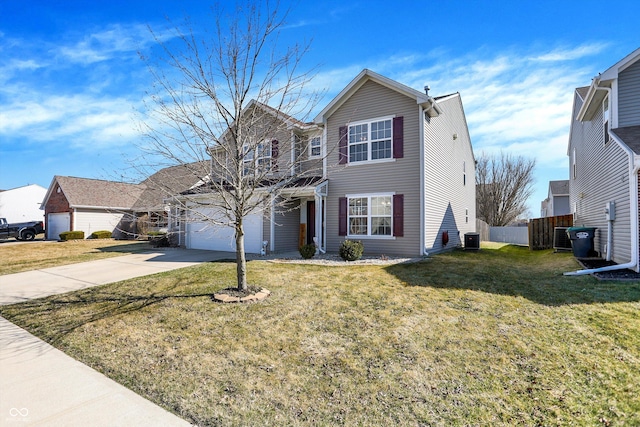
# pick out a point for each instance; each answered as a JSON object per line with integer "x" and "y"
{"x": 605, "y": 119}
{"x": 370, "y": 140}
{"x": 370, "y": 215}
{"x": 315, "y": 146}
{"x": 257, "y": 158}
{"x": 574, "y": 166}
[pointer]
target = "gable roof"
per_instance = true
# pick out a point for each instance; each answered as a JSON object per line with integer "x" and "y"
{"x": 630, "y": 136}
{"x": 170, "y": 181}
{"x": 597, "y": 90}
{"x": 365, "y": 75}
{"x": 559, "y": 188}
{"x": 289, "y": 121}
{"x": 95, "y": 193}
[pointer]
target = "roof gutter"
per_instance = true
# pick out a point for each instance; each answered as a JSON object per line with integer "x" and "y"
{"x": 589, "y": 97}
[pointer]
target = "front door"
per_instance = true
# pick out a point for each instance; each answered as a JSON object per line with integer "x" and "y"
{"x": 311, "y": 221}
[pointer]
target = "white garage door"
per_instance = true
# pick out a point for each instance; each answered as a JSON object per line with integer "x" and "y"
{"x": 203, "y": 235}
{"x": 56, "y": 224}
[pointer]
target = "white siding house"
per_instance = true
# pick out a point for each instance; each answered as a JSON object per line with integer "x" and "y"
{"x": 22, "y": 204}
{"x": 604, "y": 158}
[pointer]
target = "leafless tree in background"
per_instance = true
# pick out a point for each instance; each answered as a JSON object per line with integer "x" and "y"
{"x": 221, "y": 113}
{"x": 504, "y": 183}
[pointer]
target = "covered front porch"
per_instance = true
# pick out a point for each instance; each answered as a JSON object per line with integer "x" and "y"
{"x": 297, "y": 217}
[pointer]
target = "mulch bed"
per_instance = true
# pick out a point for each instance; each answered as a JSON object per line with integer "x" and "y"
{"x": 625, "y": 274}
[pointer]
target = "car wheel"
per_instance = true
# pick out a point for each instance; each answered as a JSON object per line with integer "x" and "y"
{"x": 28, "y": 235}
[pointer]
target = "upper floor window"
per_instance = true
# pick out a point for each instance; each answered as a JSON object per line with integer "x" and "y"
{"x": 374, "y": 140}
{"x": 370, "y": 140}
{"x": 605, "y": 119}
{"x": 315, "y": 146}
{"x": 258, "y": 159}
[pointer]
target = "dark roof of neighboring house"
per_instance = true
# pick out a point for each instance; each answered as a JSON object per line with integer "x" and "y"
{"x": 86, "y": 192}
{"x": 168, "y": 182}
{"x": 582, "y": 91}
{"x": 559, "y": 187}
{"x": 630, "y": 135}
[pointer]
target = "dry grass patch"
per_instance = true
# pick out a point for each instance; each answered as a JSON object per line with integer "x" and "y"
{"x": 495, "y": 337}
{"x": 36, "y": 255}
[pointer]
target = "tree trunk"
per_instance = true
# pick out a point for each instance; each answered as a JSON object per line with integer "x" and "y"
{"x": 241, "y": 260}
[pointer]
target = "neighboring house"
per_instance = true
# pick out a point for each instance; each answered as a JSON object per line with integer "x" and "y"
{"x": 604, "y": 157}
{"x": 81, "y": 204}
{"x": 557, "y": 201}
{"x": 22, "y": 204}
{"x": 384, "y": 163}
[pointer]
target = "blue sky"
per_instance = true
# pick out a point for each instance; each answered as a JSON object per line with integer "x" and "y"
{"x": 71, "y": 78}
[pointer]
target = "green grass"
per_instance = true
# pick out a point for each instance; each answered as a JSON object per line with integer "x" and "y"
{"x": 36, "y": 255}
{"x": 494, "y": 337}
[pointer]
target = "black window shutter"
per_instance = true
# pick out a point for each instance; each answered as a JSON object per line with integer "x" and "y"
{"x": 398, "y": 215}
{"x": 342, "y": 146}
{"x": 398, "y": 137}
{"x": 275, "y": 151}
{"x": 342, "y": 216}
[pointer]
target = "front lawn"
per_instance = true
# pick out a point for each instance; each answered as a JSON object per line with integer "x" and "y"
{"x": 494, "y": 337}
{"x": 36, "y": 255}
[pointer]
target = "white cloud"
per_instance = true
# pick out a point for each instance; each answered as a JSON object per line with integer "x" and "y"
{"x": 79, "y": 121}
{"x": 109, "y": 43}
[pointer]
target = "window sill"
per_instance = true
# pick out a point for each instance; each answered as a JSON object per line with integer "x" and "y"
{"x": 371, "y": 162}
{"x": 363, "y": 237}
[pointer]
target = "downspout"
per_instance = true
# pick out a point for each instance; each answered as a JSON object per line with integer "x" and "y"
{"x": 423, "y": 250}
{"x": 633, "y": 217}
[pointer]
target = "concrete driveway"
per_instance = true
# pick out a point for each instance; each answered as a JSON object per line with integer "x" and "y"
{"x": 40, "y": 385}
{"x": 19, "y": 287}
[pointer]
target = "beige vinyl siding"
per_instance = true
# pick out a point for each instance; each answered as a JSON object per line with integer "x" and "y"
{"x": 307, "y": 166}
{"x": 399, "y": 176}
{"x": 286, "y": 227}
{"x": 628, "y": 96}
{"x": 90, "y": 220}
{"x": 602, "y": 176}
{"x": 449, "y": 201}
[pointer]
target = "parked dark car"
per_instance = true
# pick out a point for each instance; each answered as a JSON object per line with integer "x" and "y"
{"x": 22, "y": 230}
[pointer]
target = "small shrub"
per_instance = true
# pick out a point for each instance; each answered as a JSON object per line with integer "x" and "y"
{"x": 71, "y": 235}
{"x": 351, "y": 250}
{"x": 102, "y": 234}
{"x": 308, "y": 251}
{"x": 160, "y": 241}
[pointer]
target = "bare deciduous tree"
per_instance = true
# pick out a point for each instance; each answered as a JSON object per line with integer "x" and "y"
{"x": 504, "y": 183}
{"x": 222, "y": 112}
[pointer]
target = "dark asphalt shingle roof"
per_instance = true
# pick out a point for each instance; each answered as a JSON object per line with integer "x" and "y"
{"x": 168, "y": 182}
{"x": 630, "y": 135}
{"x": 86, "y": 192}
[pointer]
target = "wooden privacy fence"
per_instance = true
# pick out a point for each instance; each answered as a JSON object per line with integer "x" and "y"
{"x": 541, "y": 230}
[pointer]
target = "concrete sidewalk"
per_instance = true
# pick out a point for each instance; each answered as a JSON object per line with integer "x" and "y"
{"x": 40, "y": 385}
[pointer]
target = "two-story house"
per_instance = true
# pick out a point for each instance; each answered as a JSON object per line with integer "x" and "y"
{"x": 382, "y": 163}
{"x": 604, "y": 159}
{"x": 557, "y": 201}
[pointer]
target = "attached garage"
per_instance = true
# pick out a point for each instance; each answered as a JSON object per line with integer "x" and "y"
{"x": 207, "y": 236}
{"x": 90, "y": 220}
{"x": 57, "y": 223}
